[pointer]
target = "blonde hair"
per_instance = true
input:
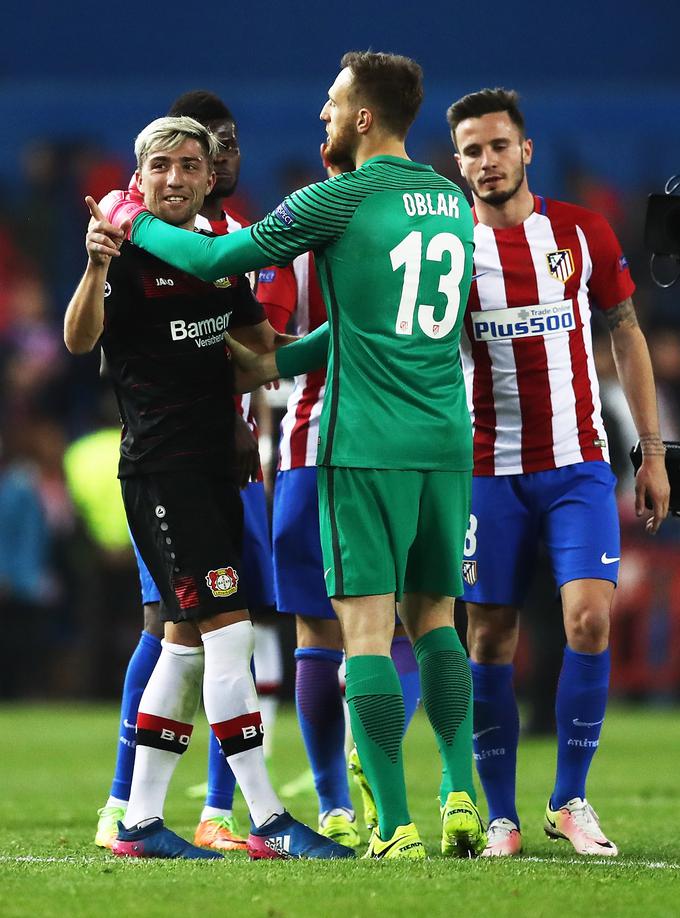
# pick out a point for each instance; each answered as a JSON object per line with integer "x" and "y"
{"x": 169, "y": 133}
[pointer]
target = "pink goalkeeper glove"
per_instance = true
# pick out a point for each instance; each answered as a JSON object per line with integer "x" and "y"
{"x": 119, "y": 206}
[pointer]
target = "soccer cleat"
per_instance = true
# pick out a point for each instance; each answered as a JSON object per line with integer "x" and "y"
{"x": 577, "y": 822}
{"x": 219, "y": 833}
{"x": 286, "y": 838}
{"x": 367, "y": 800}
{"x": 340, "y": 825}
{"x": 463, "y": 832}
{"x": 154, "y": 840}
{"x": 503, "y": 839}
{"x": 404, "y": 844}
{"x": 107, "y": 827}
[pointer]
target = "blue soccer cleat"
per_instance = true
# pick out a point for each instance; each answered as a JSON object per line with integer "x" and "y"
{"x": 285, "y": 837}
{"x": 154, "y": 840}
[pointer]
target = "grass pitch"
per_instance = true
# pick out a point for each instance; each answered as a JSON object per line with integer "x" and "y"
{"x": 55, "y": 770}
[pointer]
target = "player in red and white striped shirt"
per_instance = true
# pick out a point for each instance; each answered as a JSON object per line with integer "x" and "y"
{"x": 540, "y": 453}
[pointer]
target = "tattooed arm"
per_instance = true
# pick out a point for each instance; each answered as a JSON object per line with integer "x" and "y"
{"x": 634, "y": 369}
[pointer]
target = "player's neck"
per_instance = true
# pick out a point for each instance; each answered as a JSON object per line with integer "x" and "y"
{"x": 511, "y": 213}
{"x": 212, "y": 209}
{"x": 382, "y": 146}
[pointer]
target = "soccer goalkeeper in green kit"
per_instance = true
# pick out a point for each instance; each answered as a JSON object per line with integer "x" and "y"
{"x": 393, "y": 248}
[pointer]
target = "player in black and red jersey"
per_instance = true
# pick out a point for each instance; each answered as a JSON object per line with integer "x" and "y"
{"x": 163, "y": 341}
{"x": 217, "y": 827}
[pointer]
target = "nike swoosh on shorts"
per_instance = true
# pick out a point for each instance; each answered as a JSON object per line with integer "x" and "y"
{"x": 605, "y": 560}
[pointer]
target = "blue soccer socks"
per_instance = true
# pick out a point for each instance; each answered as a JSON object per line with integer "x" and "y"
{"x": 140, "y": 667}
{"x": 318, "y": 699}
{"x": 495, "y": 737}
{"x": 579, "y": 708}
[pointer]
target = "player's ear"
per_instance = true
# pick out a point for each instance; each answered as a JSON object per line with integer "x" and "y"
{"x": 527, "y": 150}
{"x": 138, "y": 179}
{"x": 364, "y": 120}
{"x": 212, "y": 178}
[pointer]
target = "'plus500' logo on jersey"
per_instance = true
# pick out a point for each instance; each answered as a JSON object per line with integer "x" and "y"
{"x": 179, "y": 329}
{"x": 527, "y": 322}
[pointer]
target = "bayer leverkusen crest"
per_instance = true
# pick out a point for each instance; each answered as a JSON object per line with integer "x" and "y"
{"x": 560, "y": 264}
{"x": 470, "y": 572}
{"x": 223, "y": 581}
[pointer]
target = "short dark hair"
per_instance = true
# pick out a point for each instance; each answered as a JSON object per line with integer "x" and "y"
{"x": 486, "y": 102}
{"x": 201, "y": 105}
{"x": 390, "y": 83}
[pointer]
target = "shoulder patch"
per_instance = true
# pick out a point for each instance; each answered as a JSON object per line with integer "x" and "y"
{"x": 285, "y": 214}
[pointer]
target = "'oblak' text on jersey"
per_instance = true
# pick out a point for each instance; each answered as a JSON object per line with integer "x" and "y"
{"x": 420, "y": 204}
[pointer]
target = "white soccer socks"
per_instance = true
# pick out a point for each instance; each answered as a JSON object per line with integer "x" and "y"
{"x": 232, "y": 709}
{"x": 164, "y": 726}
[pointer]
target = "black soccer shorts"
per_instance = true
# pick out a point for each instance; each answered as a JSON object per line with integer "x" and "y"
{"x": 188, "y": 526}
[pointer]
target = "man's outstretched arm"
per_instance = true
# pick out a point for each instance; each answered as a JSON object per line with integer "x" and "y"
{"x": 306, "y": 220}
{"x": 207, "y": 257}
{"x": 302, "y": 356}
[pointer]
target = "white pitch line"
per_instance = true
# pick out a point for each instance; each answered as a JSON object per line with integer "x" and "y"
{"x": 34, "y": 859}
{"x": 581, "y": 861}
{"x": 604, "y": 861}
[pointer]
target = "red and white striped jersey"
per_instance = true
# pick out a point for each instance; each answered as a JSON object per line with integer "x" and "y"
{"x": 295, "y": 290}
{"x": 228, "y": 224}
{"x": 527, "y": 347}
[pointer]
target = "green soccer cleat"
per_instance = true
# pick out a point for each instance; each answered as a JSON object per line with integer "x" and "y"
{"x": 367, "y": 800}
{"x": 107, "y": 827}
{"x": 405, "y": 844}
{"x": 341, "y": 826}
{"x": 463, "y": 833}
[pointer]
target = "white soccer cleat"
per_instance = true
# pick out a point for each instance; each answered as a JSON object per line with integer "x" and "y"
{"x": 504, "y": 839}
{"x": 577, "y": 822}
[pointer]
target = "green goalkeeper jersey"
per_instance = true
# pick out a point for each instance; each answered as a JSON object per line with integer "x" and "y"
{"x": 393, "y": 245}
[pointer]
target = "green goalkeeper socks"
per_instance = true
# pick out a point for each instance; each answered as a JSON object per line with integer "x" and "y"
{"x": 446, "y": 692}
{"x": 376, "y": 710}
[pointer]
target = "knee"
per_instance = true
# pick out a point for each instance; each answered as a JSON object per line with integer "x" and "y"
{"x": 152, "y": 619}
{"x": 318, "y": 632}
{"x": 491, "y": 643}
{"x": 587, "y": 628}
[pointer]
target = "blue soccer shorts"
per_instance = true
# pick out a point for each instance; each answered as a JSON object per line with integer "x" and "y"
{"x": 257, "y": 555}
{"x": 572, "y": 510}
{"x": 298, "y": 565}
{"x": 257, "y": 549}
{"x": 149, "y": 589}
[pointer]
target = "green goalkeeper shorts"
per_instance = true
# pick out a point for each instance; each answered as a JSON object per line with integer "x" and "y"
{"x": 390, "y": 531}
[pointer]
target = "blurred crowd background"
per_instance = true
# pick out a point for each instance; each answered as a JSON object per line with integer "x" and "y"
{"x": 600, "y": 93}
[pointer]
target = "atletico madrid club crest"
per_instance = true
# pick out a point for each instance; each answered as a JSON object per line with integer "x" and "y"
{"x": 223, "y": 581}
{"x": 470, "y": 572}
{"x": 560, "y": 264}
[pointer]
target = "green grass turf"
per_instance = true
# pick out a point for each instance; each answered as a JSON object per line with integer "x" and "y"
{"x": 55, "y": 769}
